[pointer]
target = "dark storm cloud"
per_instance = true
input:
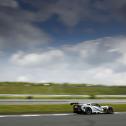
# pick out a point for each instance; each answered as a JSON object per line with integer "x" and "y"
{"x": 69, "y": 12}
{"x": 114, "y": 8}
{"x": 9, "y": 3}
{"x": 72, "y": 12}
{"x": 16, "y": 28}
{"x": 17, "y": 18}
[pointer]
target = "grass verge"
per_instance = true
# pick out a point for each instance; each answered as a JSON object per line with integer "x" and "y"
{"x": 45, "y": 109}
{"x": 51, "y": 88}
{"x": 33, "y": 109}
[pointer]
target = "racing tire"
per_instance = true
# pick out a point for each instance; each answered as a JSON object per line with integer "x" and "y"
{"x": 88, "y": 111}
{"x": 110, "y": 110}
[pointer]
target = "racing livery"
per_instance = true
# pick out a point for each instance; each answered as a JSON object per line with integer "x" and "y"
{"x": 91, "y": 108}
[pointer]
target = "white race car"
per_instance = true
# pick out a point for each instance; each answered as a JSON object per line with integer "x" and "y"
{"x": 91, "y": 108}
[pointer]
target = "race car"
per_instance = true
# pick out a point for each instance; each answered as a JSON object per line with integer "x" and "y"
{"x": 90, "y": 108}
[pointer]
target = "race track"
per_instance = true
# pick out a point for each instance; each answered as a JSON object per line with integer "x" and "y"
{"x": 118, "y": 119}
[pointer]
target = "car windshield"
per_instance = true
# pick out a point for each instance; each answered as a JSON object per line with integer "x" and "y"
{"x": 95, "y": 104}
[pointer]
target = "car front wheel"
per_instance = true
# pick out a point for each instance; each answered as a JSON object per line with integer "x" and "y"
{"x": 110, "y": 110}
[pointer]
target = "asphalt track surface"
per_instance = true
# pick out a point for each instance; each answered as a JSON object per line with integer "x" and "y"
{"x": 118, "y": 119}
{"x": 55, "y": 101}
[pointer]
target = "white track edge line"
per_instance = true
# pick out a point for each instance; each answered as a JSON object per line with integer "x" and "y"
{"x": 40, "y": 115}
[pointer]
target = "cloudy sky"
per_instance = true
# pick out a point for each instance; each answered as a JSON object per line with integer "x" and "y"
{"x": 78, "y": 41}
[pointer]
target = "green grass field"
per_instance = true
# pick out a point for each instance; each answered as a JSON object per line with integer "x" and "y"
{"x": 44, "y": 109}
{"x": 59, "y": 97}
{"x": 32, "y": 109}
{"x": 80, "y": 89}
{"x": 42, "y": 97}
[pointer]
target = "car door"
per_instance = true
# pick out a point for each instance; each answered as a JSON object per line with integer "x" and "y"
{"x": 97, "y": 108}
